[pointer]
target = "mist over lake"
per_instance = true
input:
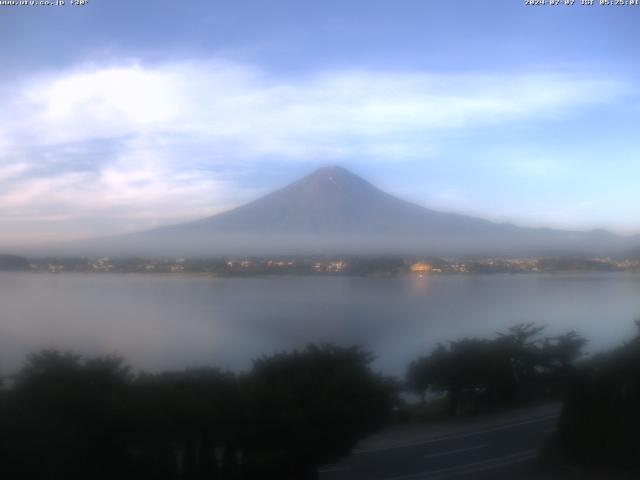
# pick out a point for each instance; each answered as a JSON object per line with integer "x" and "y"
{"x": 172, "y": 322}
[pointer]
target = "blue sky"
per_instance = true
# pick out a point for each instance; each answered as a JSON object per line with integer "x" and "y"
{"x": 119, "y": 116}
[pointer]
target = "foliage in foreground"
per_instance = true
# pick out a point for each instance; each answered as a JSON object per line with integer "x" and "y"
{"x": 479, "y": 374}
{"x": 600, "y": 419}
{"x": 67, "y": 418}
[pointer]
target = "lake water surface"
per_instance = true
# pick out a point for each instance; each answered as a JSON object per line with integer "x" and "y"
{"x": 173, "y": 321}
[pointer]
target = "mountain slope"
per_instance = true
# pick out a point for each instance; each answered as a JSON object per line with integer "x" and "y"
{"x": 334, "y": 211}
{"x": 332, "y": 200}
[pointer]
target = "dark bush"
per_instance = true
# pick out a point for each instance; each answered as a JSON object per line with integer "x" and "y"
{"x": 68, "y": 418}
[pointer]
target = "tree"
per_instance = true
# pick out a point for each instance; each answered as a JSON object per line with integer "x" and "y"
{"x": 71, "y": 418}
{"x": 68, "y": 417}
{"x": 311, "y": 406}
{"x": 517, "y": 365}
{"x": 600, "y": 417}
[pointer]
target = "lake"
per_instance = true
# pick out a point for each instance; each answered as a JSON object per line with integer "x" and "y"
{"x": 174, "y": 321}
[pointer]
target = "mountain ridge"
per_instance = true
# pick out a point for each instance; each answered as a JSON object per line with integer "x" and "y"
{"x": 334, "y": 211}
{"x": 337, "y": 200}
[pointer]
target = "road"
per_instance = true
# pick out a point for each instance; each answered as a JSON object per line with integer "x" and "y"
{"x": 501, "y": 447}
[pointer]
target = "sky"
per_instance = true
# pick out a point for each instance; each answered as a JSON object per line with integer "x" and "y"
{"x": 119, "y": 116}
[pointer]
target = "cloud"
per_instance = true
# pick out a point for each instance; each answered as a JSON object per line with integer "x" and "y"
{"x": 244, "y": 109}
{"x": 136, "y": 145}
{"x": 12, "y": 170}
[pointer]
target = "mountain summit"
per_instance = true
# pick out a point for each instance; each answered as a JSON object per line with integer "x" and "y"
{"x": 333, "y": 201}
{"x": 335, "y": 211}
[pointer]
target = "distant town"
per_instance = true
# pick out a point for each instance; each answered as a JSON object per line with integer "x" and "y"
{"x": 316, "y": 265}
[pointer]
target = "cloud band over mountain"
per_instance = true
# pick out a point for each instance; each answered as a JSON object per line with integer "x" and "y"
{"x": 101, "y": 149}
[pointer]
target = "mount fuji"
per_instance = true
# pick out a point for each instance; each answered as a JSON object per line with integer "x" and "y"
{"x": 334, "y": 211}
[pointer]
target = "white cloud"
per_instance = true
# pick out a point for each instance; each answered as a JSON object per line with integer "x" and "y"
{"x": 226, "y": 104}
{"x": 171, "y": 123}
{"x": 12, "y": 170}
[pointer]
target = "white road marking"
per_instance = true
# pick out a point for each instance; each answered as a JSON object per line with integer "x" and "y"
{"x": 489, "y": 464}
{"x": 457, "y": 436}
{"x": 459, "y": 450}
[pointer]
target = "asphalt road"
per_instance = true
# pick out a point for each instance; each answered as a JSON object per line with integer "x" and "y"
{"x": 494, "y": 450}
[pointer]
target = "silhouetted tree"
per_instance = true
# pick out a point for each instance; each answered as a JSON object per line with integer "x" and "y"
{"x": 375, "y": 266}
{"x": 69, "y": 418}
{"x": 311, "y": 406}
{"x": 13, "y": 263}
{"x": 600, "y": 417}
{"x": 517, "y": 365}
{"x": 182, "y": 417}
